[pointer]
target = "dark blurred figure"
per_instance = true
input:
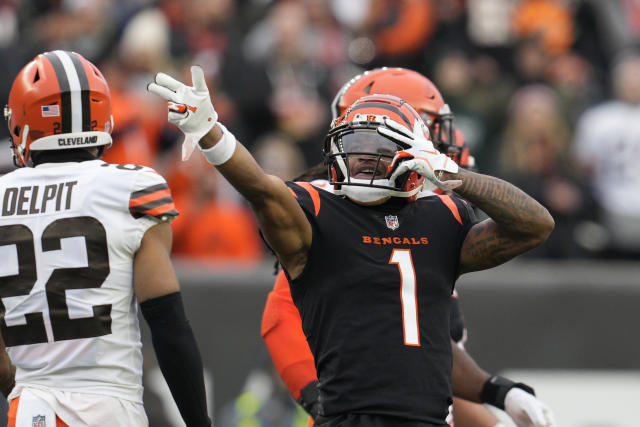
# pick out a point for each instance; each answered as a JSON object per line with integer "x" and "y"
{"x": 534, "y": 155}
{"x": 289, "y": 55}
{"x": 574, "y": 80}
{"x": 603, "y": 29}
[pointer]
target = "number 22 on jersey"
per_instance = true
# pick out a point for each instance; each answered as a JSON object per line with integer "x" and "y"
{"x": 408, "y": 297}
{"x": 61, "y": 279}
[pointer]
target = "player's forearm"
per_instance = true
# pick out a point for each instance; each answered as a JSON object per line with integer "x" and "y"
{"x": 466, "y": 376}
{"x": 283, "y": 223}
{"x": 241, "y": 170}
{"x": 178, "y": 356}
{"x": 512, "y": 209}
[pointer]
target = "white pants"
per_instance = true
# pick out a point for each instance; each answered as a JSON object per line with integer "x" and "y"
{"x": 76, "y": 409}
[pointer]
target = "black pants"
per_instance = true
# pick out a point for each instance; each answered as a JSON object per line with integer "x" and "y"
{"x": 364, "y": 420}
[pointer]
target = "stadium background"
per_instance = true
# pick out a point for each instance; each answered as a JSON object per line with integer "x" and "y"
{"x": 530, "y": 83}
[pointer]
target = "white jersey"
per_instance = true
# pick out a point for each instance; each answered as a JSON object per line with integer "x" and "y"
{"x": 608, "y": 140}
{"x": 68, "y": 236}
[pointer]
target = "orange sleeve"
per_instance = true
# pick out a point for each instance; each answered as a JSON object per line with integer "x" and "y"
{"x": 282, "y": 333}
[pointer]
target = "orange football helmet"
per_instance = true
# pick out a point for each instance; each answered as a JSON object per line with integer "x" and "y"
{"x": 59, "y": 100}
{"x": 358, "y": 156}
{"x": 415, "y": 89}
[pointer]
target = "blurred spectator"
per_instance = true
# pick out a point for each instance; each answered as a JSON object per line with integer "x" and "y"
{"x": 297, "y": 66}
{"x": 573, "y": 79}
{"x": 605, "y": 28}
{"x": 453, "y": 75}
{"x": 487, "y": 98}
{"x": 607, "y": 144}
{"x": 278, "y": 155}
{"x": 82, "y": 26}
{"x": 451, "y": 31}
{"x": 138, "y": 119}
{"x": 531, "y": 61}
{"x": 534, "y": 157}
{"x": 212, "y": 228}
{"x": 549, "y": 21}
{"x": 398, "y": 29}
{"x": 8, "y": 22}
{"x": 490, "y": 22}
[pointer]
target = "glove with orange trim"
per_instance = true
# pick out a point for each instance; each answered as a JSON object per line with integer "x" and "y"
{"x": 422, "y": 157}
{"x": 190, "y": 107}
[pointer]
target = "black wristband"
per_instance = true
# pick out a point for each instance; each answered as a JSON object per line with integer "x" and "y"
{"x": 495, "y": 389}
{"x": 309, "y": 396}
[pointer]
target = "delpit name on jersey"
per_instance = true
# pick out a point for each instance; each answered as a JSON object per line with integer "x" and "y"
{"x": 64, "y": 142}
{"x": 34, "y": 199}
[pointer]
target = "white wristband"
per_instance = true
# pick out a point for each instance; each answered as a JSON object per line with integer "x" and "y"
{"x": 223, "y": 150}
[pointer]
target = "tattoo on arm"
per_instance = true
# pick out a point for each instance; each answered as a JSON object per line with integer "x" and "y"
{"x": 505, "y": 203}
{"x": 517, "y": 221}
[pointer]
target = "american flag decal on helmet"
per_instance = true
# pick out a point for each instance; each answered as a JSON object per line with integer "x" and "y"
{"x": 50, "y": 111}
{"x": 153, "y": 201}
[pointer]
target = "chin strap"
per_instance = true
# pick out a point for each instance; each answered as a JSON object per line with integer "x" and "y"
{"x": 365, "y": 194}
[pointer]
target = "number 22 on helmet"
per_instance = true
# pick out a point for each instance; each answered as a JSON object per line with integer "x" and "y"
{"x": 58, "y": 101}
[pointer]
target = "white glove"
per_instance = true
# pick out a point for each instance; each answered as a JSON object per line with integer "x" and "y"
{"x": 190, "y": 107}
{"x": 422, "y": 157}
{"x": 526, "y": 410}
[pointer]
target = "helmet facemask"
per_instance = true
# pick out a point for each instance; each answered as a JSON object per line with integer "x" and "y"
{"x": 359, "y": 158}
{"x": 443, "y": 133}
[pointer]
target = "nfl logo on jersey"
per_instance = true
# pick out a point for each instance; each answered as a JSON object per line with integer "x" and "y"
{"x": 38, "y": 421}
{"x": 392, "y": 221}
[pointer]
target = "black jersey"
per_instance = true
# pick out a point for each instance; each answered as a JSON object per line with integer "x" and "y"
{"x": 375, "y": 299}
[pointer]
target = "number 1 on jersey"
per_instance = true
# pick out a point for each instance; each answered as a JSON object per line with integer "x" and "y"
{"x": 408, "y": 296}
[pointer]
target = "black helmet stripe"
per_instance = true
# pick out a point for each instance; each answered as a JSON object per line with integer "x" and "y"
{"x": 75, "y": 110}
{"x": 385, "y": 106}
{"x": 84, "y": 95}
{"x": 65, "y": 94}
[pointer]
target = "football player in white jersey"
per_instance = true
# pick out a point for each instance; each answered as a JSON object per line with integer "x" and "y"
{"x": 82, "y": 243}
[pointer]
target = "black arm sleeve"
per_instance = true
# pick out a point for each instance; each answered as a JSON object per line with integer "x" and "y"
{"x": 178, "y": 356}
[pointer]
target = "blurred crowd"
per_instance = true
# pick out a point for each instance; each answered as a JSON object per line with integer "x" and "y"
{"x": 546, "y": 92}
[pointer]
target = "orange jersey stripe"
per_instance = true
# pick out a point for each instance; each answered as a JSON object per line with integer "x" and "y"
{"x": 160, "y": 209}
{"x": 315, "y": 197}
{"x": 448, "y": 201}
{"x": 149, "y": 198}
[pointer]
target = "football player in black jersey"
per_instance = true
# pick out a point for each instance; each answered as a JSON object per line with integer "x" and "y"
{"x": 371, "y": 267}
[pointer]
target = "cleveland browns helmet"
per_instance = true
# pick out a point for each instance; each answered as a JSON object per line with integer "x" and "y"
{"x": 415, "y": 89}
{"x": 358, "y": 157}
{"x": 59, "y": 100}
